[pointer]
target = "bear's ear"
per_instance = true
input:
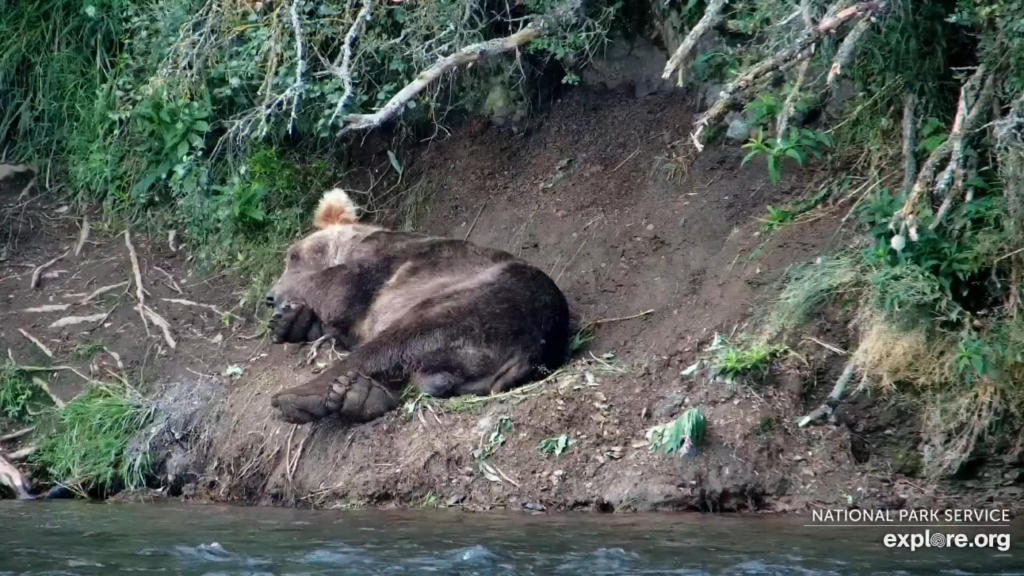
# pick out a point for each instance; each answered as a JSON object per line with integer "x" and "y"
{"x": 335, "y": 209}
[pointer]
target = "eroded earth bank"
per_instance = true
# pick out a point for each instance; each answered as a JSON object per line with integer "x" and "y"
{"x": 663, "y": 260}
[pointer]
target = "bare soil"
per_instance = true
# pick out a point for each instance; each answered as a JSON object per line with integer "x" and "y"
{"x": 581, "y": 193}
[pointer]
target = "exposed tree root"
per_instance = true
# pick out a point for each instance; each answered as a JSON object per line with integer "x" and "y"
{"x": 975, "y": 101}
{"x": 835, "y": 397}
{"x": 777, "y": 63}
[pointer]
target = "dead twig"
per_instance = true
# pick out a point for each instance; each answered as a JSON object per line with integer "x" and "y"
{"x": 46, "y": 389}
{"x": 73, "y": 320}
{"x": 160, "y": 323}
{"x": 211, "y": 307}
{"x": 38, "y": 272}
{"x": 473, "y": 225}
{"x": 21, "y": 454}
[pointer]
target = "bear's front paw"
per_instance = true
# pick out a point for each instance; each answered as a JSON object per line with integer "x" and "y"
{"x": 292, "y": 323}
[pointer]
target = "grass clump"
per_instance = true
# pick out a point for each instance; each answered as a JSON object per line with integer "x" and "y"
{"x": 88, "y": 446}
{"x": 16, "y": 392}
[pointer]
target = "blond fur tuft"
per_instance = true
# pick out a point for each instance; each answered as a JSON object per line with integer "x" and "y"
{"x": 336, "y": 208}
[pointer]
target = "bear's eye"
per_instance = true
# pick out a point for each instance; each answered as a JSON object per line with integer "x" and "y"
{"x": 293, "y": 257}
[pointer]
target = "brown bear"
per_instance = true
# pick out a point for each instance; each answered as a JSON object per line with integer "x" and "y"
{"x": 446, "y": 316}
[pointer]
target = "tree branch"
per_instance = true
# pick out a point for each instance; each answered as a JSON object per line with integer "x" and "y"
{"x": 345, "y": 71}
{"x": 712, "y": 15}
{"x": 463, "y": 57}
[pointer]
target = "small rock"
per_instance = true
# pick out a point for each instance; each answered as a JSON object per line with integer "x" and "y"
{"x": 533, "y": 506}
{"x": 456, "y": 499}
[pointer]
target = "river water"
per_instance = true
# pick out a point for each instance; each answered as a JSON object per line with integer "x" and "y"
{"x": 63, "y": 537}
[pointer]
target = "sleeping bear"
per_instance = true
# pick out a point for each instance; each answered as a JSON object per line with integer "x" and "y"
{"x": 446, "y": 316}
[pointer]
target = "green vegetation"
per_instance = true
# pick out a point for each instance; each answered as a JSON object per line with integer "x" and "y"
{"x": 681, "y": 436}
{"x": 555, "y": 446}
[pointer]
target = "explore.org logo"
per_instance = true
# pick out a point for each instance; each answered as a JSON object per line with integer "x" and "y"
{"x": 929, "y": 539}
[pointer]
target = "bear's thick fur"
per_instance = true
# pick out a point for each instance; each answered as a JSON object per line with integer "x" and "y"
{"x": 446, "y": 316}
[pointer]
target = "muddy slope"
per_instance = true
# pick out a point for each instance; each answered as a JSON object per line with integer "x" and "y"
{"x": 665, "y": 262}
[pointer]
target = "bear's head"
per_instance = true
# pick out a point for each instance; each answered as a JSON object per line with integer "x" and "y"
{"x": 338, "y": 231}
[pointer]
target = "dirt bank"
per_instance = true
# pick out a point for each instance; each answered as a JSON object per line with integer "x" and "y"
{"x": 581, "y": 194}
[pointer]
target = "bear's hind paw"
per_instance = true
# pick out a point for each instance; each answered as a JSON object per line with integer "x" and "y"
{"x": 356, "y": 397}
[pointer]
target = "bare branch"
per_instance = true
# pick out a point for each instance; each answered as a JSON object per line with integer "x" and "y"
{"x": 345, "y": 71}
{"x": 463, "y": 57}
{"x": 712, "y": 15}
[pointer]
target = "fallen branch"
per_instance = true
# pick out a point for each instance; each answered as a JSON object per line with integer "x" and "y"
{"x": 712, "y": 15}
{"x": 463, "y": 57}
{"x": 835, "y": 397}
{"x": 790, "y": 105}
{"x": 39, "y": 271}
{"x": 846, "y": 49}
{"x": 778, "y": 62}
